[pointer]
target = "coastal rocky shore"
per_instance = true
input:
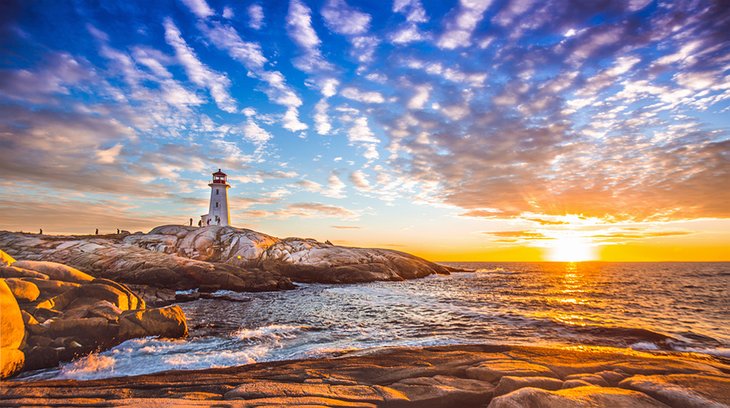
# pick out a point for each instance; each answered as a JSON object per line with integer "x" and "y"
{"x": 447, "y": 376}
{"x": 52, "y": 312}
{"x": 217, "y": 258}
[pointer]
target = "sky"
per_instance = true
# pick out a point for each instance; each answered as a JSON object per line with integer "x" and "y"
{"x": 472, "y": 130}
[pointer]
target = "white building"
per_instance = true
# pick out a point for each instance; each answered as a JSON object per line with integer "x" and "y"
{"x": 218, "y": 213}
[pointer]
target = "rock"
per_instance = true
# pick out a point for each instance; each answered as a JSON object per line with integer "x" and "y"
{"x": 575, "y": 383}
{"x": 95, "y": 328}
{"x": 594, "y": 379}
{"x": 15, "y": 272}
{"x": 589, "y": 396}
{"x": 444, "y": 391}
{"x": 218, "y": 258}
{"x": 351, "y": 393}
{"x": 494, "y": 370}
{"x": 164, "y": 322}
{"x": 395, "y": 377}
{"x": 23, "y": 291}
{"x": 5, "y": 259}
{"x": 12, "y": 362}
{"x": 683, "y": 390}
{"x": 28, "y": 318}
{"x": 12, "y": 333}
{"x": 508, "y": 384}
{"x": 56, "y": 271}
{"x": 50, "y": 288}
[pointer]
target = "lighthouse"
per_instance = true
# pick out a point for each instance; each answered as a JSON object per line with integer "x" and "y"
{"x": 218, "y": 213}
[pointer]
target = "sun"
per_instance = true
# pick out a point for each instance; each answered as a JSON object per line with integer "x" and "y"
{"x": 571, "y": 249}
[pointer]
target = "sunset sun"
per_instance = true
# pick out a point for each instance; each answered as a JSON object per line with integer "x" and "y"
{"x": 571, "y": 249}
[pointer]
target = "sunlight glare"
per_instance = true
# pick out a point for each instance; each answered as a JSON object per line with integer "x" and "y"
{"x": 571, "y": 249}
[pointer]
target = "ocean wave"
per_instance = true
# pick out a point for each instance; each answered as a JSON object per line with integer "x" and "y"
{"x": 275, "y": 331}
{"x": 88, "y": 367}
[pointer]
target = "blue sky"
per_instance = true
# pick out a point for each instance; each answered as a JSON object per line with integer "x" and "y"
{"x": 490, "y": 123}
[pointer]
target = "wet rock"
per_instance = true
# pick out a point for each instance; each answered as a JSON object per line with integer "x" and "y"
{"x": 23, "y": 291}
{"x": 581, "y": 397}
{"x": 164, "y": 322}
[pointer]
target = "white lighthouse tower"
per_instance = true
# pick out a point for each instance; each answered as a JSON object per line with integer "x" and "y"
{"x": 218, "y": 213}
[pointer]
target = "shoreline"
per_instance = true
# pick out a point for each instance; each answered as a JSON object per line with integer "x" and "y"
{"x": 465, "y": 374}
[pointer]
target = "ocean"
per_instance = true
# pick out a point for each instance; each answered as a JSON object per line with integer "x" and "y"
{"x": 645, "y": 306}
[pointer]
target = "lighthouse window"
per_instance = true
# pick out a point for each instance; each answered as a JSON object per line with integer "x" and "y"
{"x": 216, "y": 205}
{"x": 216, "y": 192}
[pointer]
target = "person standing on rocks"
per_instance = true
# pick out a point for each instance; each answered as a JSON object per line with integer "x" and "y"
{"x": 97, "y": 232}
{"x": 191, "y": 222}
{"x": 40, "y": 232}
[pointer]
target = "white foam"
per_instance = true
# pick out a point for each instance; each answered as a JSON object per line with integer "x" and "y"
{"x": 644, "y": 345}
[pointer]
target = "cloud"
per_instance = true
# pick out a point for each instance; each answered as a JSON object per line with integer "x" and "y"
{"x": 200, "y": 74}
{"x": 413, "y": 9}
{"x": 360, "y": 180}
{"x": 108, "y": 156}
{"x": 518, "y": 236}
{"x": 409, "y": 32}
{"x": 250, "y": 55}
{"x": 420, "y": 97}
{"x": 362, "y": 96}
{"x": 255, "y": 16}
{"x": 305, "y": 210}
{"x": 335, "y": 187}
{"x": 58, "y": 74}
{"x": 299, "y": 27}
{"x": 344, "y": 19}
{"x": 345, "y": 227}
{"x": 460, "y": 26}
{"x": 254, "y": 133}
{"x": 199, "y": 7}
{"x": 321, "y": 119}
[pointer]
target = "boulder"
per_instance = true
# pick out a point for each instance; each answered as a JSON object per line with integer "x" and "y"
{"x": 581, "y": 397}
{"x": 51, "y": 288}
{"x": 5, "y": 259}
{"x": 95, "y": 328}
{"x": 12, "y": 362}
{"x": 12, "y": 333}
{"x": 56, "y": 271}
{"x": 15, "y": 272}
{"x": 164, "y": 322}
{"x": 23, "y": 291}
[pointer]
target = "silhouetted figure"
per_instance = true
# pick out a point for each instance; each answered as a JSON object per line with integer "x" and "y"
{"x": 208, "y": 221}
{"x": 97, "y": 231}
{"x": 118, "y": 232}
{"x": 40, "y": 232}
{"x": 200, "y": 223}
{"x": 191, "y": 222}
